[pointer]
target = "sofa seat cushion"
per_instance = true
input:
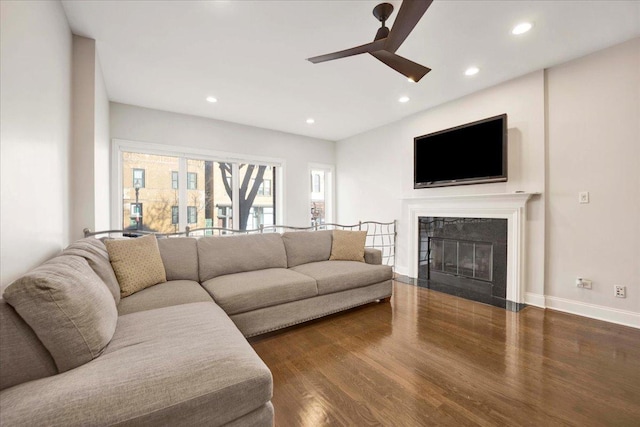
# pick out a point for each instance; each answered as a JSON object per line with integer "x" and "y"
{"x": 241, "y": 292}
{"x": 336, "y": 276}
{"x": 181, "y": 365}
{"x": 173, "y": 292}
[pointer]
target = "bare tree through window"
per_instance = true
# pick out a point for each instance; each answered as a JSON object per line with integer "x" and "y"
{"x": 248, "y": 189}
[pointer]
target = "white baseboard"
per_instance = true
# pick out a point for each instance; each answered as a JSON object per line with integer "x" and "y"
{"x": 537, "y": 300}
{"x": 608, "y": 314}
{"x": 401, "y": 269}
{"x": 593, "y": 311}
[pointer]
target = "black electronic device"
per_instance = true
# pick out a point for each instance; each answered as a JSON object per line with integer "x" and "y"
{"x": 472, "y": 153}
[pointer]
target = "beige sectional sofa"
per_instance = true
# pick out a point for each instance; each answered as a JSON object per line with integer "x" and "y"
{"x": 73, "y": 352}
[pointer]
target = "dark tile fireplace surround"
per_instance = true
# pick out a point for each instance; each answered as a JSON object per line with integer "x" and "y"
{"x": 466, "y": 257}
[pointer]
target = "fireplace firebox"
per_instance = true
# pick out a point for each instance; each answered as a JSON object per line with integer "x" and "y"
{"x": 466, "y": 257}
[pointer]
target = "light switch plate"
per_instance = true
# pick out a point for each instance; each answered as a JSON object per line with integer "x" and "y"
{"x": 583, "y": 197}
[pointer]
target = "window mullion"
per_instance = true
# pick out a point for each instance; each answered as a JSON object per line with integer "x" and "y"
{"x": 182, "y": 193}
{"x": 235, "y": 193}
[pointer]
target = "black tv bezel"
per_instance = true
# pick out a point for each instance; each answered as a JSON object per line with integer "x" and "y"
{"x": 466, "y": 181}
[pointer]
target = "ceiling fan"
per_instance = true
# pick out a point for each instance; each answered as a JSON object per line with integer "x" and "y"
{"x": 385, "y": 44}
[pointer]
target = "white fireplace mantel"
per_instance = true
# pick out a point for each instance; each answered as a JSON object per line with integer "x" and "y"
{"x": 509, "y": 206}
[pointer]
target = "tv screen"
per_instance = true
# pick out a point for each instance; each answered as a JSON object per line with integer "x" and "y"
{"x": 469, "y": 154}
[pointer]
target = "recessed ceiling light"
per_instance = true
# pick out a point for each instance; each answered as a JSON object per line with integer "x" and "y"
{"x": 403, "y": 99}
{"x": 521, "y": 28}
{"x": 410, "y": 80}
{"x": 211, "y": 99}
{"x": 310, "y": 121}
{"x": 471, "y": 71}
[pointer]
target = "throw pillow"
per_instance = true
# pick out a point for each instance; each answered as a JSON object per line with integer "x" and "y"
{"x": 68, "y": 307}
{"x": 137, "y": 263}
{"x": 348, "y": 245}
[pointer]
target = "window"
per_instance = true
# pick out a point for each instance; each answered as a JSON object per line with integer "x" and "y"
{"x": 315, "y": 183}
{"x": 174, "y": 215}
{"x": 135, "y": 217}
{"x": 192, "y": 215}
{"x": 194, "y": 191}
{"x": 321, "y": 195}
{"x": 174, "y": 180}
{"x": 253, "y": 208}
{"x": 157, "y": 200}
{"x": 136, "y": 209}
{"x": 138, "y": 178}
{"x": 224, "y": 211}
{"x": 265, "y": 188}
{"x": 192, "y": 181}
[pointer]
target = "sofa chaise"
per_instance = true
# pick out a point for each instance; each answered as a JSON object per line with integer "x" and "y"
{"x": 73, "y": 351}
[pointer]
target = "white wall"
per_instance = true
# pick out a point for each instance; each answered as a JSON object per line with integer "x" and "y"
{"x": 35, "y": 135}
{"x": 572, "y": 128}
{"x": 378, "y": 165}
{"x": 161, "y": 127}
{"x": 594, "y": 145}
{"x": 90, "y": 153}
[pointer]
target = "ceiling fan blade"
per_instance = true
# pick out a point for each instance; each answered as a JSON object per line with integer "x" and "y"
{"x": 409, "y": 69}
{"x": 365, "y": 48}
{"x": 408, "y": 16}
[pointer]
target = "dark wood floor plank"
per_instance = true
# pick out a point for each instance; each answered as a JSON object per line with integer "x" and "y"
{"x": 428, "y": 358}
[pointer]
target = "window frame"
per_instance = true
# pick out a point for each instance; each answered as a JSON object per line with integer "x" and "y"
{"x": 118, "y": 146}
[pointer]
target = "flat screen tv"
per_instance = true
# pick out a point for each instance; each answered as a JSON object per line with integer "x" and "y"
{"x": 473, "y": 153}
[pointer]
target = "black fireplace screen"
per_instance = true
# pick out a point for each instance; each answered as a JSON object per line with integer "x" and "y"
{"x": 461, "y": 258}
{"x": 465, "y": 257}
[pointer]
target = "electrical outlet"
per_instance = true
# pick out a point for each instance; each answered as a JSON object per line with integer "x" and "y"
{"x": 583, "y": 283}
{"x": 583, "y": 197}
{"x": 620, "y": 291}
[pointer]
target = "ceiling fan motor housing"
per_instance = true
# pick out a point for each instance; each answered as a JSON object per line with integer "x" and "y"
{"x": 383, "y": 11}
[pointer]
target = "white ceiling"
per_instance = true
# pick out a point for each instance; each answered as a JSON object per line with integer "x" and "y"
{"x": 250, "y": 55}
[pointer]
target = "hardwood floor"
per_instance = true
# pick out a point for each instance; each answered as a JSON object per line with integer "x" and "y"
{"x": 428, "y": 358}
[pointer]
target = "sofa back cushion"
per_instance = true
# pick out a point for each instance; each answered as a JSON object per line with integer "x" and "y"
{"x": 68, "y": 307}
{"x": 307, "y": 246}
{"x": 22, "y": 356}
{"x": 95, "y": 252}
{"x": 180, "y": 258}
{"x": 220, "y": 255}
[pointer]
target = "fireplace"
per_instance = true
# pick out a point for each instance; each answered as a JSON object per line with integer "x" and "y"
{"x": 509, "y": 206}
{"x": 466, "y": 257}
